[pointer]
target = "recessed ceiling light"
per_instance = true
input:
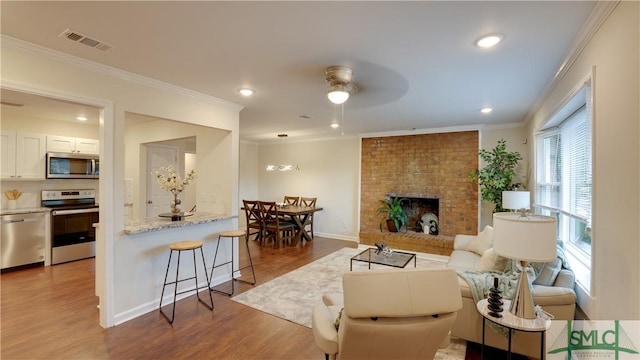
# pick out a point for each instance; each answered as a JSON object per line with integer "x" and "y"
{"x": 486, "y": 110}
{"x": 246, "y": 91}
{"x": 488, "y": 41}
{"x": 335, "y": 125}
{"x": 81, "y": 118}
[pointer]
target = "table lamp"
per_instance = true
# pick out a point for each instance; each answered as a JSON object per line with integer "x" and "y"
{"x": 528, "y": 237}
{"x": 516, "y": 200}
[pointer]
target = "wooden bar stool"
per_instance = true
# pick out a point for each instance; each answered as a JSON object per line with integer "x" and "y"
{"x": 180, "y": 247}
{"x": 231, "y": 234}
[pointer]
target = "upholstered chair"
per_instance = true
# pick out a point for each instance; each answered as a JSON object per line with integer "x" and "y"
{"x": 388, "y": 314}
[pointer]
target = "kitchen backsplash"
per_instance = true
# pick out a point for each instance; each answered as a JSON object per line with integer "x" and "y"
{"x": 31, "y": 190}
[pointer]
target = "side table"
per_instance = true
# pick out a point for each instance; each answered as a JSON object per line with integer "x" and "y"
{"x": 512, "y": 323}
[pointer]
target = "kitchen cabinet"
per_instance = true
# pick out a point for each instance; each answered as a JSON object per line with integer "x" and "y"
{"x": 67, "y": 144}
{"x": 22, "y": 156}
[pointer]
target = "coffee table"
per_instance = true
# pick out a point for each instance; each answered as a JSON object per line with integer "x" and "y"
{"x": 397, "y": 259}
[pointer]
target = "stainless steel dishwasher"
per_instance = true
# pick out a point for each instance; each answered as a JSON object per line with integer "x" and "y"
{"x": 23, "y": 239}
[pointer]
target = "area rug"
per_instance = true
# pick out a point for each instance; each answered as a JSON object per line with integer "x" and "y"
{"x": 293, "y": 295}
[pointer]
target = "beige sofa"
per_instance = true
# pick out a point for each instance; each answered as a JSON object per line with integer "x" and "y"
{"x": 559, "y": 299}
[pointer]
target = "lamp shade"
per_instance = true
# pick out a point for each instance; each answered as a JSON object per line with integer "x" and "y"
{"x": 516, "y": 200}
{"x": 531, "y": 237}
{"x": 338, "y": 94}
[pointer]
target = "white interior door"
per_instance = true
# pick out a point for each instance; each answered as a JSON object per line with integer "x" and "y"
{"x": 158, "y": 200}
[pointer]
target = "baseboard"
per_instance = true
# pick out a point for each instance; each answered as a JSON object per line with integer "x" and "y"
{"x": 153, "y": 305}
{"x": 337, "y": 237}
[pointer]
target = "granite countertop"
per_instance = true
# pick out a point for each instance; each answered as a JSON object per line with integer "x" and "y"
{"x": 138, "y": 226}
{"x": 25, "y": 211}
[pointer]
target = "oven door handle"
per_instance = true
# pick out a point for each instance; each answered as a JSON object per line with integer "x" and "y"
{"x": 74, "y": 211}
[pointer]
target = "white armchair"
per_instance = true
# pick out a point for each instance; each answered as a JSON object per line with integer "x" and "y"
{"x": 389, "y": 314}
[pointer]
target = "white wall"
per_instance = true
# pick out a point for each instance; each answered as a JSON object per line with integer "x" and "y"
{"x": 134, "y": 288}
{"x": 211, "y": 154}
{"x": 614, "y": 51}
{"x": 329, "y": 170}
{"x": 248, "y": 181}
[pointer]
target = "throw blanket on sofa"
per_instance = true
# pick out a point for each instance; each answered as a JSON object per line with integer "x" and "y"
{"x": 481, "y": 281}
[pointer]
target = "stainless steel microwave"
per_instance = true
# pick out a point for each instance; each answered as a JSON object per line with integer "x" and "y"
{"x": 72, "y": 166}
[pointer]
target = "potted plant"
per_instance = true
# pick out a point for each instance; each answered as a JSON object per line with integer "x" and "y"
{"x": 498, "y": 174}
{"x": 396, "y": 216}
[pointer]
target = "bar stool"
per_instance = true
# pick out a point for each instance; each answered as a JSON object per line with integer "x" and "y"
{"x": 231, "y": 234}
{"x": 180, "y": 247}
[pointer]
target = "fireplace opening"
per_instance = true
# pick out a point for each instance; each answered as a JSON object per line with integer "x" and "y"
{"x": 423, "y": 213}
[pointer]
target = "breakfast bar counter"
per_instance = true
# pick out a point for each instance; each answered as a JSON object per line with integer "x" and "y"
{"x": 144, "y": 225}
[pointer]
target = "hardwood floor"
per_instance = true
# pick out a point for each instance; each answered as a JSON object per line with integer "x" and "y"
{"x": 50, "y": 312}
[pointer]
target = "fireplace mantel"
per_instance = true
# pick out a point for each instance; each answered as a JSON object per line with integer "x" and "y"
{"x": 412, "y": 196}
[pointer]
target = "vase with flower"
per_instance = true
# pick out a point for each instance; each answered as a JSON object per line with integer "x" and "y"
{"x": 169, "y": 180}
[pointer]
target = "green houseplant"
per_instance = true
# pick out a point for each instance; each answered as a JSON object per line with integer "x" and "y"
{"x": 497, "y": 176}
{"x": 396, "y": 216}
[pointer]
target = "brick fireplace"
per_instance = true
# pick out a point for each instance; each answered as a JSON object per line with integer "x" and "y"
{"x": 431, "y": 170}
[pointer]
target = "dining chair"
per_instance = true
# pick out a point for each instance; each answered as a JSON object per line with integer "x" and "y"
{"x": 309, "y": 202}
{"x": 273, "y": 226}
{"x": 254, "y": 218}
{"x": 291, "y": 200}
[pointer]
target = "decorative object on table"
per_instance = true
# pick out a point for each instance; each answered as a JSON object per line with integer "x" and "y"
{"x": 383, "y": 249}
{"x": 531, "y": 237}
{"x": 495, "y": 300}
{"x": 396, "y": 216}
{"x": 169, "y": 180}
{"x": 12, "y": 198}
{"x": 497, "y": 176}
{"x": 429, "y": 223}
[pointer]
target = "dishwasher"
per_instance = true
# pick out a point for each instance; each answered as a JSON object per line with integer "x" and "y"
{"x": 23, "y": 240}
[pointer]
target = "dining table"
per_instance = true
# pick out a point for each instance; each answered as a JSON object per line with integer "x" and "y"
{"x": 301, "y": 216}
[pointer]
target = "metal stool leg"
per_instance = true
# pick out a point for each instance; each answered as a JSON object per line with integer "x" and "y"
{"x": 232, "y": 236}
{"x": 175, "y": 289}
{"x": 250, "y": 264}
{"x": 163, "y": 287}
{"x": 178, "y": 280}
{"x": 204, "y": 264}
{"x": 215, "y": 266}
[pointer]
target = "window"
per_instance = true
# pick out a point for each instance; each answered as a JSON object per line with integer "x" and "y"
{"x": 564, "y": 181}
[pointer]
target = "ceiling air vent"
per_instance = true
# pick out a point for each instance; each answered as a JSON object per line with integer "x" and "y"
{"x": 85, "y": 40}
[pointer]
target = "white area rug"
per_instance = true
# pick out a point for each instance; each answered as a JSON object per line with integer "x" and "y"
{"x": 293, "y": 295}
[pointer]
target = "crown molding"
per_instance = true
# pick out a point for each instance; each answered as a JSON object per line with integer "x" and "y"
{"x": 422, "y": 131}
{"x": 504, "y": 126}
{"x": 598, "y": 15}
{"x": 41, "y": 51}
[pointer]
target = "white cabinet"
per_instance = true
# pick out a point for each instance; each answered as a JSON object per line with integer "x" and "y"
{"x": 23, "y": 155}
{"x": 72, "y": 145}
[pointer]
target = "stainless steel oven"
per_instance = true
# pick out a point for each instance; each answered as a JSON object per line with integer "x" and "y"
{"x": 73, "y": 213}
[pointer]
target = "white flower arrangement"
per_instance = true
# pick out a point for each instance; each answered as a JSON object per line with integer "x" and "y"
{"x": 170, "y": 180}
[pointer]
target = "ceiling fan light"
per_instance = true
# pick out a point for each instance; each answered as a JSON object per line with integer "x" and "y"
{"x": 337, "y": 94}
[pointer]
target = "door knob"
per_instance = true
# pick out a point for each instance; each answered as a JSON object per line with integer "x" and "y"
{"x": 149, "y": 202}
